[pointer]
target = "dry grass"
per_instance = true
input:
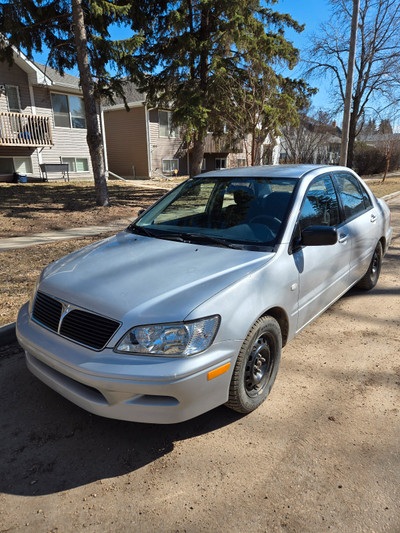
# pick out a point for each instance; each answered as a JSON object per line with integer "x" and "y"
{"x": 380, "y": 189}
{"x": 20, "y": 268}
{"x": 40, "y": 207}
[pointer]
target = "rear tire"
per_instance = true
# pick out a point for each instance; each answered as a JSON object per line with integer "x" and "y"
{"x": 370, "y": 279}
{"x": 256, "y": 366}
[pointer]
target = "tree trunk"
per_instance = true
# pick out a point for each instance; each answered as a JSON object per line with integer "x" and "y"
{"x": 94, "y": 137}
{"x": 388, "y": 157}
{"x": 197, "y": 157}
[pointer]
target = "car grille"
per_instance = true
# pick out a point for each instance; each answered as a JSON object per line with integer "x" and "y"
{"x": 75, "y": 324}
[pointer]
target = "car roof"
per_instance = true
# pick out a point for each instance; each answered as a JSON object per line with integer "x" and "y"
{"x": 268, "y": 171}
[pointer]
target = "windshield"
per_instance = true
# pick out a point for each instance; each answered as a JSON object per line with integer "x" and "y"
{"x": 221, "y": 211}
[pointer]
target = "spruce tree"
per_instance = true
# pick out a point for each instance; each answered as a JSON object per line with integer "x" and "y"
{"x": 196, "y": 58}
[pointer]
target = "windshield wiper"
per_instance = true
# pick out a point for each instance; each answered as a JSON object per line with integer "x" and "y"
{"x": 211, "y": 239}
{"x": 156, "y": 234}
{"x": 141, "y": 230}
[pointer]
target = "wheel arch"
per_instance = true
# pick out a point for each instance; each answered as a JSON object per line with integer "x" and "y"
{"x": 382, "y": 240}
{"x": 281, "y": 317}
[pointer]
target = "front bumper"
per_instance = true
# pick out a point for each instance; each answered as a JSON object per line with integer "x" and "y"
{"x": 134, "y": 388}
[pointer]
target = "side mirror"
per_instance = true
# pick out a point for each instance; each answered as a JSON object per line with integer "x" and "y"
{"x": 141, "y": 211}
{"x": 319, "y": 236}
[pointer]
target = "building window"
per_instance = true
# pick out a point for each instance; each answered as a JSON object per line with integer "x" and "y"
{"x": 203, "y": 165}
{"x": 165, "y": 121}
{"x": 23, "y": 165}
{"x": 241, "y": 162}
{"x": 69, "y": 111}
{"x": 9, "y": 165}
{"x": 76, "y": 164}
{"x": 13, "y": 101}
{"x": 220, "y": 162}
{"x": 169, "y": 166}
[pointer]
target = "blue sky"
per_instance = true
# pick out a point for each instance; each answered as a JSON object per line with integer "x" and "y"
{"x": 309, "y": 12}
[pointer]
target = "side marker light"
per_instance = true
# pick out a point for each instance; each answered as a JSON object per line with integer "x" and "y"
{"x": 218, "y": 371}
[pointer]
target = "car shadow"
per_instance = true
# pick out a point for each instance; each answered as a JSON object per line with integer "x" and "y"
{"x": 49, "y": 445}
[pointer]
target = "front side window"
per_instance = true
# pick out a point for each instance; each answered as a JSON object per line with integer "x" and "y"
{"x": 320, "y": 207}
{"x": 13, "y": 101}
{"x": 351, "y": 195}
{"x": 69, "y": 111}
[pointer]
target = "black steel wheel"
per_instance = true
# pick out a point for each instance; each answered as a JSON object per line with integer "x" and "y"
{"x": 370, "y": 279}
{"x": 256, "y": 366}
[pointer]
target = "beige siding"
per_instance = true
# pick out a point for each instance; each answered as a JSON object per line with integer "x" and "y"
{"x": 68, "y": 142}
{"x": 15, "y": 76}
{"x": 165, "y": 147}
{"x": 126, "y": 139}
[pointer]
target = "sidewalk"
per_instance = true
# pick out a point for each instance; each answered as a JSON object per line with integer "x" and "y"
{"x": 62, "y": 235}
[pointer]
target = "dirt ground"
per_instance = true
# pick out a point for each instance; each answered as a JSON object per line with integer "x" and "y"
{"x": 41, "y": 207}
{"x": 321, "y": 454}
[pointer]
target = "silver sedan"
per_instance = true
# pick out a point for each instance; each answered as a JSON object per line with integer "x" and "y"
{"x": 189, "y": 307}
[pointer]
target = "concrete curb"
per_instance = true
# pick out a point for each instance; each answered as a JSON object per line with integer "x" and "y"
{"x": 7, "y": 334}
{"x": 390, "y": 196}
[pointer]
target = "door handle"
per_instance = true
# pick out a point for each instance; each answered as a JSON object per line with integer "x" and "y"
{"x": 343, "y": 238}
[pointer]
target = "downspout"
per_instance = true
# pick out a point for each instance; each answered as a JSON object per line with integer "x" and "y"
{"x": 147, "y": 122}
{"x": 103, "y": 138}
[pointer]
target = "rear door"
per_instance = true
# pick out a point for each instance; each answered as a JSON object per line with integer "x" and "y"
{"x": 323, "y": 270}
{"x": 360, "y": 223}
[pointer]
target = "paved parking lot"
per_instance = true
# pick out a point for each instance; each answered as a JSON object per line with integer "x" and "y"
{"x": 322, "y": 453}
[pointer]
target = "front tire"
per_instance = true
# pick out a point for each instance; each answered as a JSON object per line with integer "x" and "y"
{"x": 256, "y": 366}
{"x": 370, "y": 279}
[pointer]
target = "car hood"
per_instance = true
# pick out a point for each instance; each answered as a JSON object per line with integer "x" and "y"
{"x": 154, "y": 280}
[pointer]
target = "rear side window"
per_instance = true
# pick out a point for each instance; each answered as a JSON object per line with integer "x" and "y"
{"x": 354, "y": 197}
{"x": 320, "y": 206}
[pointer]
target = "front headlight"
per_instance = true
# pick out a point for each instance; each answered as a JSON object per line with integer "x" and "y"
{"x": 179, "y": 339}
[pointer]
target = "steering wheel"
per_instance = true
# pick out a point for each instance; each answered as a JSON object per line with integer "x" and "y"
{"x": 273, "y": 223}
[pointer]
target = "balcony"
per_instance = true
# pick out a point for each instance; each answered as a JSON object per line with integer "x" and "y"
{"x": 20, "y": 129}
{"x": 222, "y": 145}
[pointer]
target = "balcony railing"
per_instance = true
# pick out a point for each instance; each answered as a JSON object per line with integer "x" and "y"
{"x": 20, "y": 129}
{"x": 222, "y": 144}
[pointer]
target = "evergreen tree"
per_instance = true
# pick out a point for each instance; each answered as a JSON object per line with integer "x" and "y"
{"x": 77, "y": 33}
{"x": 196, "y": 61}
{"x": 385, "y": 128}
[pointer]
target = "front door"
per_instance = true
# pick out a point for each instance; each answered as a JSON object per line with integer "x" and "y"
{"x": 323, "y": 270}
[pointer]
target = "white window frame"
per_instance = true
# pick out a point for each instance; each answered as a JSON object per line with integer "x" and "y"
{"x": 203, "y": 165}
{"x": 73, "y": 170}
{"x": 171, "y": 131}
{"x": 14, "y": 159}
{"x": 71, "y": 126}
{"x": 171, "y": 172}
{"x": 18, "y": 98}
{"x": 220, "y": 159}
